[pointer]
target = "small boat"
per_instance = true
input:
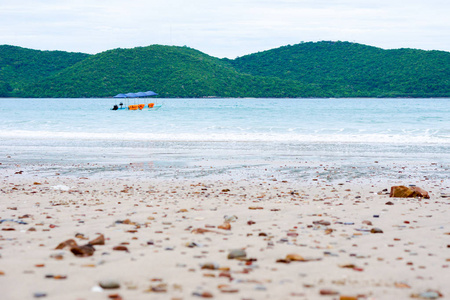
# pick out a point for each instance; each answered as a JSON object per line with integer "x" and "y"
{"x": 151, "y": 106}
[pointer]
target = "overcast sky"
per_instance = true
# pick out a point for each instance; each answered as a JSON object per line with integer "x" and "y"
{"x": 222, "y": 28}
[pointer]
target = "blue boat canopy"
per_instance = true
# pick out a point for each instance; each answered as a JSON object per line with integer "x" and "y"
{"x": 120, "y": 96}
{"x": 150, "y": 93}
{"x": 136, "y": 95}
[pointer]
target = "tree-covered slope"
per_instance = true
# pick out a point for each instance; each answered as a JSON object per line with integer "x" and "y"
{"x": 170, "y": 71}
{"x": 348, "y": 69}
{"x": 20, "y": 66}
{"x": 323, "y": 69}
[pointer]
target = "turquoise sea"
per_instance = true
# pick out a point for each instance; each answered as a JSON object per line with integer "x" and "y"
{"x": 334, "y": 139}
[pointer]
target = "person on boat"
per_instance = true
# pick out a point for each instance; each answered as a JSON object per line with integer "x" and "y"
{"x": 115, "y": 107}
{"x": 121, "y": 104}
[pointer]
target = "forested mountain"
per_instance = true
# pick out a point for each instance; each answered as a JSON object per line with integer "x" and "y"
{"x": 348, "y": 69}
{"x": 323, "y": 69}
{"x": 20, "y": 67}
{"x": 170, "y": 71}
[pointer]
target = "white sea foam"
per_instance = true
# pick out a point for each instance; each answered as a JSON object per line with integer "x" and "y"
{"x": 406, "y": 138}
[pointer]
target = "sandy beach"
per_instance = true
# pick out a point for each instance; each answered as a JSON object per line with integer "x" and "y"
{"x": 246, "y": 239}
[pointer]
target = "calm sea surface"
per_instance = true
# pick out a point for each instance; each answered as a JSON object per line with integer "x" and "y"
{"x": 228, "y": 137}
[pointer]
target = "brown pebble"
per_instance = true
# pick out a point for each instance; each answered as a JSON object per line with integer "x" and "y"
{"x": 121, "y": 248}
{"x": 322, "y": 222}
{"x": 205, "y": 295}
{"x": 225, "y": 226}
{"x": 295, "y": 257}
{"x": 83, "y": 251}
{"x": 100, "y": 240}
{"x": 328, "y": 292}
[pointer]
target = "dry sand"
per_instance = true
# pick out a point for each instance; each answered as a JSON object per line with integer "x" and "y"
{"x": 171, "y": 256}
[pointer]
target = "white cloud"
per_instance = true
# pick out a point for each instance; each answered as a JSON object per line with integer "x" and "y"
{"x": 222, "y": 28}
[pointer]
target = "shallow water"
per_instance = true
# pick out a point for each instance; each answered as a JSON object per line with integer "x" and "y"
{"x": 236, "y": 138}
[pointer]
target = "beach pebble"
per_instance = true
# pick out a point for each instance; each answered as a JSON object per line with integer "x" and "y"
{"x": 225, "y": 288}
{"x": 376, "y": 230}
{"x": 203, "y": 294}
{"x": 408, "y": 192}
{"x": 210, "y": 266}
{"x": 225, "y": 226}
{"x": 294, "y": 257}
{"x": 100, "y": 240}
{"x": 192, "y": 245}
{"x": 39, "y": 295}
{"x": 121, "y": 248}
{"x": 328, "y": 292}
{"x": 322, "y": 222}
{"x": 83, "y": 251}
{"x": 428, "y": 295}
{"x": 228, "y": 219}
{"x": 109, "y": 284}
{"x": 237, "y": 253}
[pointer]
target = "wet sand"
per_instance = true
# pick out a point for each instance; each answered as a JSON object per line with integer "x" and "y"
{"x": 300, "y": 240}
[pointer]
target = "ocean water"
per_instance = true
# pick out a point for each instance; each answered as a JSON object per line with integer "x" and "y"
{"x": 228, "y": 138}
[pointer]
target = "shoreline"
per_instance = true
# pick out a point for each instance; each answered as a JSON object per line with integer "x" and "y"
{"x": 177, "y": 250}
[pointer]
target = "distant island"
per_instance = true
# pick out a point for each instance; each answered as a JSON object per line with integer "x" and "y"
{"x": 313, "y": 69}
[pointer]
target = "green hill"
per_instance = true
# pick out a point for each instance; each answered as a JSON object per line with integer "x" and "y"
{"x": 171, "y": 71}
{"x": 20, "y": 66}
{"x": 323, "y": 69}
{"x": 348, "y": 69}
